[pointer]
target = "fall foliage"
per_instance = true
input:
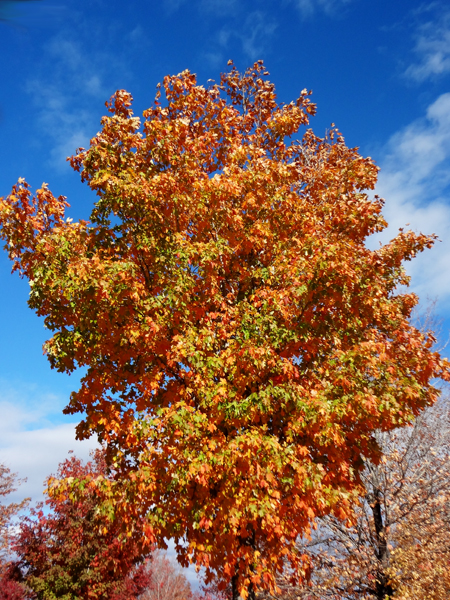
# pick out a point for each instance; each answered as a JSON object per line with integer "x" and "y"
{"x": 11, "y": 589}
{"x": 75, "y": 552}
{"x": 242, "y": 343}
{"x": 398, "y": 547}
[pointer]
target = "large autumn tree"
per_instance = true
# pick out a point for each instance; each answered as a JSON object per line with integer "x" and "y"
{"x": 241, "y": 342}
{"x": 73, "y": 551}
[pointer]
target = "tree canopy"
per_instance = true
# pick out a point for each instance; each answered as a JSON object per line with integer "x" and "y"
{"x": 73, "y": 550}
{"x": 242, "y": 343}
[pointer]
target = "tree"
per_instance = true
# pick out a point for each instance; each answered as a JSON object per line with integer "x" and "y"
{"x": 241, "y": 342}
{"x": 10, "y": 589}
{"x": 8, "y": 484}
{"x": 398, "y": 547}
{"x": 167, "y": 580}
{"x": 135, "y": 584}
{"x": 211, "y": 592}
{"x": 75, "y": 551}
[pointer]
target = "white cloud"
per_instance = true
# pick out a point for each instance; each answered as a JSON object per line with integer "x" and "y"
{"x": 433, "y": 49}
{"x": 414, "y": 180}
{"x": 31, "y": 444}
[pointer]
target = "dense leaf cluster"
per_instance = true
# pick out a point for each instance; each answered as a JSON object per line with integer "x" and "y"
{"x": 70, "y": 550}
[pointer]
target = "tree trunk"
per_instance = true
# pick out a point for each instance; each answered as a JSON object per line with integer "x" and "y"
{"x": 251, "y": 588}
{"x": 383, "y": 590}
{"x": 234, "y": 590}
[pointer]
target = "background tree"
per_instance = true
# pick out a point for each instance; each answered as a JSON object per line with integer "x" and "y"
{"x": 10, "y": 589}
{"x": 167, "y": 580}
{"x": 75, "y": 551}
{"x": 398, "y": 547}
{"x": 242, "y": 343}
{"x": 8, "y": 484}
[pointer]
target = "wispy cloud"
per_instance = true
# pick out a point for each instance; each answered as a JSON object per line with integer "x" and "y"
{"x": 253, "y": 35}
{"x": 214, "y": 7}
{"x": 77, "y": 75}
{"x": 415, "y": 180}
{"x": 236, "y": 26}
{"x": 63, "y": 95}
{"x": 173, "y": 5}
{"x": 432, "y": 49}
{"x": 308, "y": 8}
{"x": 219, "y": 7}
{"x": 256, "y": 34}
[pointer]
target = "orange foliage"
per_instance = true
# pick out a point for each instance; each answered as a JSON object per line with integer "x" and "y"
{"x": 398, "y": 547}
{"x": 241, "y": 342}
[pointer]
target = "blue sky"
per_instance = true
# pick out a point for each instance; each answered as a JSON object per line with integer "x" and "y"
{"x": 378, "y": 69}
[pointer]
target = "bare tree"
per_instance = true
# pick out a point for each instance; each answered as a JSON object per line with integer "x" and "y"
{"x": 168, "y": 582}
{"x": 8, "y": 484}
{"x": 10, "y": 589}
